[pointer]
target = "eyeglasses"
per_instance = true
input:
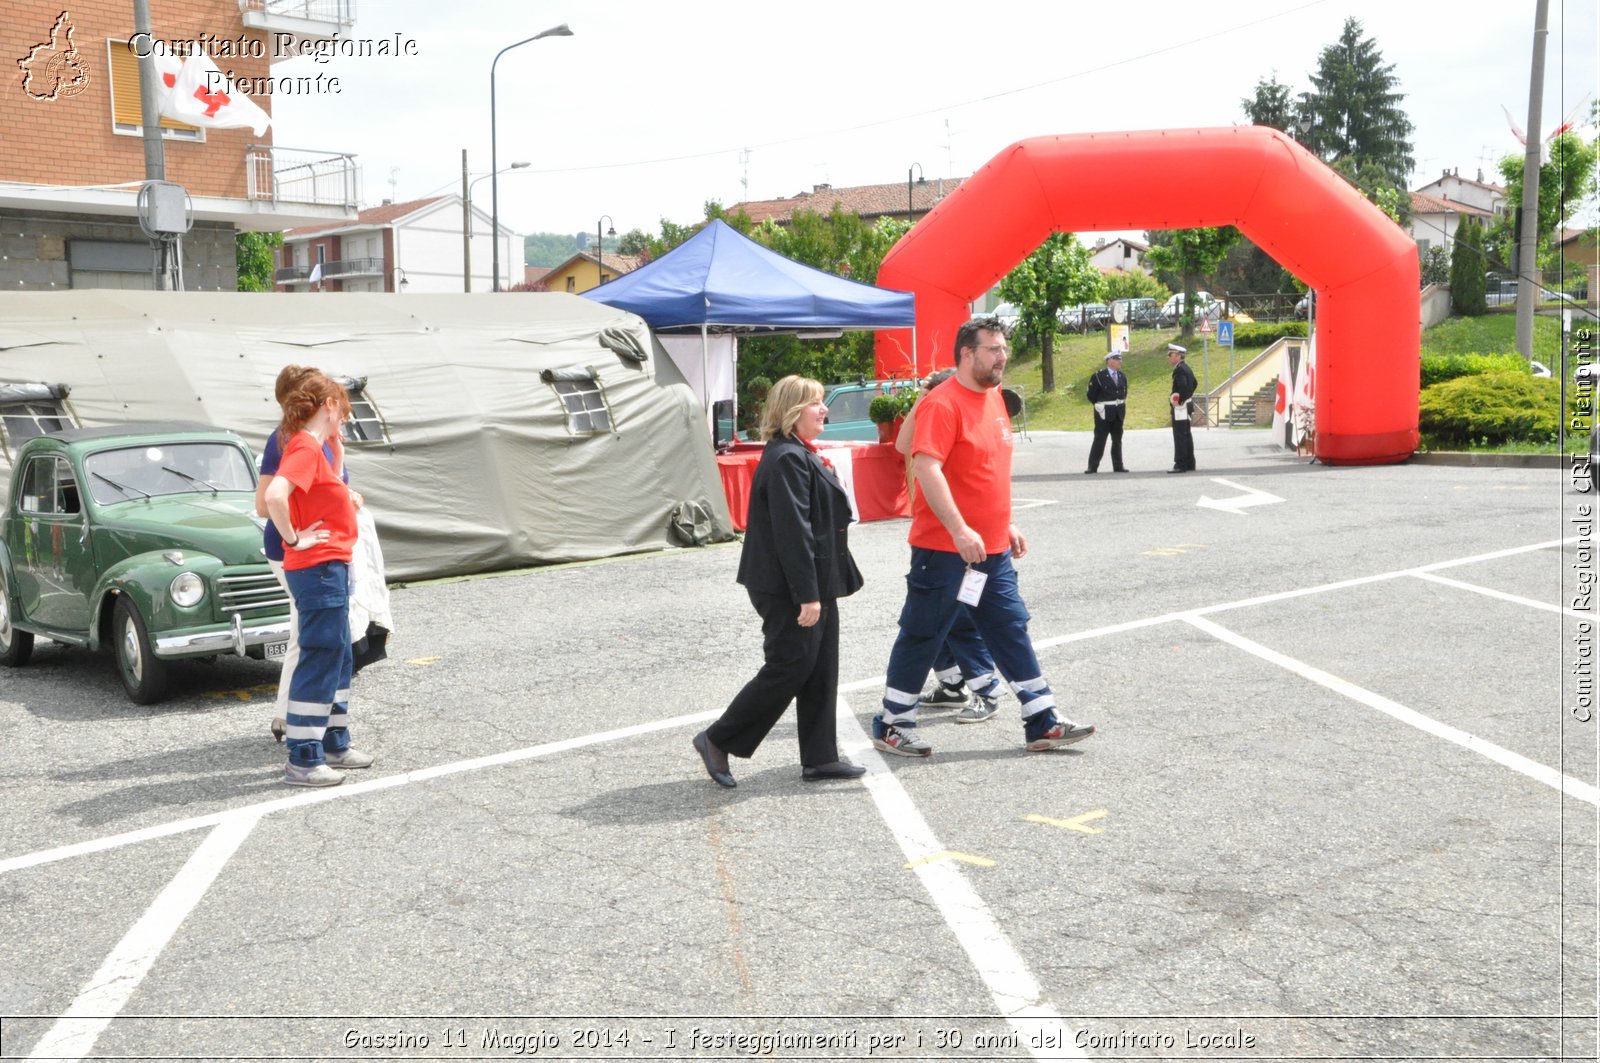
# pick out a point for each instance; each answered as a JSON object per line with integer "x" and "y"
{"x": 1002, "y": 348}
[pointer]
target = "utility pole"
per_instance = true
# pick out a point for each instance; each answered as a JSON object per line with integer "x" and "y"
{"x": 1527, "y": 256}
{"x": 155, "y": 163}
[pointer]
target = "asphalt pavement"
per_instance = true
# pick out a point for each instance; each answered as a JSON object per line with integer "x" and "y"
{"x": 1341, "y": 805}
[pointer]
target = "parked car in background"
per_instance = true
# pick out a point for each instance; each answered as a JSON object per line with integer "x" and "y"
{"x": 1172, "y": 309}
{"x": 1499, "y": 289}
{"x": 1008, "y": 314}
{"x": 1302, "y": 309}
{"x": 848, "y": 407}
{"x": 1138, "y": 313}
{"x": 140, "y": 537}
{"x": 1086, "y": 317}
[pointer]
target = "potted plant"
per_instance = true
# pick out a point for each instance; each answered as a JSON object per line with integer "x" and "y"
{"x": 886, "y": 412}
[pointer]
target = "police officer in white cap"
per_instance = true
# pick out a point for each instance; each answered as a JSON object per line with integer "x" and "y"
{"x": 1183, "y": 385}
{"x": 1108, "y": 390}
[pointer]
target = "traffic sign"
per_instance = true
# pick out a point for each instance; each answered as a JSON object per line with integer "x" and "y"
{"x": 1205, "y": 325}
{"x": 1225, "y": 333}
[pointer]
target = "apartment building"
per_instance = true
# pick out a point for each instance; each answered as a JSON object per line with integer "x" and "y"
{"x": 73, "y": 158}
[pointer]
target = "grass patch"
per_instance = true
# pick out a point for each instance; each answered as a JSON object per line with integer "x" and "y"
{"x": 1491, "y": 334}
{"x": 1077, "y": 358}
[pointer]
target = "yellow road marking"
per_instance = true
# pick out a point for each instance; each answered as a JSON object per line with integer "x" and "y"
{"x": 1172, "y": 551}
{"x": 424, "y": 660}
{"x": 948, "y": 854}
{"x": 1077, "y": 823}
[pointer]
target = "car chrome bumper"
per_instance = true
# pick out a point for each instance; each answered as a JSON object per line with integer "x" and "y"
{"x": 238, "y": 638}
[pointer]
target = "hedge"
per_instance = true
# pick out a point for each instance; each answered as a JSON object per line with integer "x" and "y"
{"x": 1265, "y": 333}
{"x": 1495, "y": 407}
{"x": 1437, "y": 368}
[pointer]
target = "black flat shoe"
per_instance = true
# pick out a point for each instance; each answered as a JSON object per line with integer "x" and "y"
{"x": 838, "y": 769}
{"x": 710, "y": 755}
{"x": 1090, "y": 472}
{"x": 1120, "y": 470}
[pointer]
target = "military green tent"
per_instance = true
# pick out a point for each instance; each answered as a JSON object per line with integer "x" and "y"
{"x": 491, "y": 431}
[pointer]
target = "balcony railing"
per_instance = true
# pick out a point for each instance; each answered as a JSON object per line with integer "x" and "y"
{"x": 306, "y": 20}
{"x": 352, "y": 267}
{"x": 293, "y": 175}
{"x": 291, "y": 274}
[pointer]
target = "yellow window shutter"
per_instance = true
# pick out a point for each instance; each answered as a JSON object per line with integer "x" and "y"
{"x": 126, "y": 108}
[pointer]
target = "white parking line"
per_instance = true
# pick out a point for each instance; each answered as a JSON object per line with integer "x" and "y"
{"x": 1515, "y": 599}
{"x": 1515, "y": 761}
{"x": 1015, "y": 991}
{"x": 74, "y": 1035}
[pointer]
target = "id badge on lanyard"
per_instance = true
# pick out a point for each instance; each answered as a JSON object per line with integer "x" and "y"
{"x": 972, "y": 582}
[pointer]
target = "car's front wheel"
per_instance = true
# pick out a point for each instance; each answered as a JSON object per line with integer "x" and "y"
{"x": 143, "y": 674}
{"x": 15, "y": 646}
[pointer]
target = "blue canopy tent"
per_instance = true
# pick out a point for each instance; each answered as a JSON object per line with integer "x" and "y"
{"x": 721, "y": 281}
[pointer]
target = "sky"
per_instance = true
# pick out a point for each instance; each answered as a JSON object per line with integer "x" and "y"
{"x": 650, "y": 109}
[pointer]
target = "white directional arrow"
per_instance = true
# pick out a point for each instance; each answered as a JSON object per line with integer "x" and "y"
{"x": 1239, "y": 503}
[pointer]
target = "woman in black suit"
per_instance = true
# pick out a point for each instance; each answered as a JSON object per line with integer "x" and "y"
{"x": 796, "y": 564}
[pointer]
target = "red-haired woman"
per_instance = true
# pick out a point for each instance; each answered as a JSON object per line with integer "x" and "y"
{"x": 312, "y": 509}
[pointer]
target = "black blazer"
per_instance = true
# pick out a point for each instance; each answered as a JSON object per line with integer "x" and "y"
{"x": 1183, "y": 381}
{"x": 1101, "y": 389}
{"x": 795, "y": 534}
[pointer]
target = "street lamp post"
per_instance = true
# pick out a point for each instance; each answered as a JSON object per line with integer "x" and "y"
{"x": 494, "y": 158}
{"x": 466, "y": 217}
{"x": 599, "y": 247}
{"x": 911, "y": 215}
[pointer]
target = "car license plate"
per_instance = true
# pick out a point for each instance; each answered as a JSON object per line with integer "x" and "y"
{"x": 276, "y": 650}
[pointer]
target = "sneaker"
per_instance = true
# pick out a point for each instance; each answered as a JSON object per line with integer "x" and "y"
{"x": 312, "y": 775}
{"x": 978, "y": 710}
{"x": 940, "y": 696}
{"x": 901, "y": 741}
{"x": 350, "y": 758}
{"x": 1060, "y": 733}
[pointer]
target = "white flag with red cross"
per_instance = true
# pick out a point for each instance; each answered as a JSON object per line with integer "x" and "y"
{"x": 1280, "y": 408}
{"x": 1305, "y": 392}
{"x": 203, "y": 96}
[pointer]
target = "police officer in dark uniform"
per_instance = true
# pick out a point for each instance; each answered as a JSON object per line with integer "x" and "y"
{"x": 1183, "y": 385}
{"x": 1108, "y": 390}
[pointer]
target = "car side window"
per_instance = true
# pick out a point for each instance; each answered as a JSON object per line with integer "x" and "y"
{"x": 48, "y": 488}
{"x": 849, "y": 406}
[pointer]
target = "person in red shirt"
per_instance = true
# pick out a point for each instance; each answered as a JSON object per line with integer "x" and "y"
{"x": 310, "y": 505}
{"x": 962, "y": 542}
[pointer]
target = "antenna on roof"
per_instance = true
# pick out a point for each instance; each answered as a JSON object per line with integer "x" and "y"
{"x": 394, "y": 179}
{"x": 744, "y": 175}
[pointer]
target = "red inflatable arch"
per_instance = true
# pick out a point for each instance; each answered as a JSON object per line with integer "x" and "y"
{"x": 1363, "y": 266}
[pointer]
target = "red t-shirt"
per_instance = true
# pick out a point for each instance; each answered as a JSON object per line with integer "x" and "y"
{"x": 318, "y": 495}
{"x": 970, "y": 433}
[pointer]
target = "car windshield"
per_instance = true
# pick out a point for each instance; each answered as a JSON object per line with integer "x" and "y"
{"x": 132, "y": 473}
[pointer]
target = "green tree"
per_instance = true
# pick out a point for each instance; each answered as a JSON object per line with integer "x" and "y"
{"x": 1467, "y": 280}
{"x": 253, "y": 253}
{"x": 1435, "y": 264}
{"x": 1354, "y": 107}
{"x": 1057, "y": 274}
{"x": 633, "y": 242}
{"x": 1272, "y": 105}
{"x": 550, "y": 249}
{"x": 1566, "y": 182}
{"x": 1187, "y": 256}
{"x": 1132, "y": 284}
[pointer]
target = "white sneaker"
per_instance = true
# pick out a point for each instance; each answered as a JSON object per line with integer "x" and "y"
{"x": 981, "y": 709}
{"x": 315, "y": 775}
{"x": 350, "y": 758}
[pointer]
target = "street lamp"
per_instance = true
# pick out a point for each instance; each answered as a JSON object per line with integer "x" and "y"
{"x": 599, "y": 247}
{"x": 397, "y": 277}
{"x": 466, "y": 217}
{"x": 494, "y": 158}
{"x": 911, "y": 215}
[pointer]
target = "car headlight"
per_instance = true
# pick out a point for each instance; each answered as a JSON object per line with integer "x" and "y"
{"x": 187, "y": 589}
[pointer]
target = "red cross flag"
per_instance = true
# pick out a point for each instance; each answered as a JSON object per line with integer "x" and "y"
{"x": 203, "y": 96}
{"x": 1280, "y": 409}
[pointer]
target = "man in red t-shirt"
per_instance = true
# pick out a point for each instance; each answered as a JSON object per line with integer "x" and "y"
{"x": 962, "y": 541}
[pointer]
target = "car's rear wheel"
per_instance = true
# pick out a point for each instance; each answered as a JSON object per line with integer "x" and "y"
{"x": 15, "y": 646}
{"x": 143, "y": 674}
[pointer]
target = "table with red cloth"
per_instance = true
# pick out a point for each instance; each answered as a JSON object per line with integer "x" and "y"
{"x": 873, "y": 474}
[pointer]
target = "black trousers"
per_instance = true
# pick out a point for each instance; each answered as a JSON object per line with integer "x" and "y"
{"x": 1182, "y": 445}
{"x": 802, "y": 666}
{"x": 1103, "y": 427}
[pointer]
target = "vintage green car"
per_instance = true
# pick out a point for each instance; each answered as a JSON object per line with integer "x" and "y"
{"x": 143, "y": 537}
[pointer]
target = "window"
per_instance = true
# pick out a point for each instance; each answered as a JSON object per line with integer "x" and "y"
{"x": 365, "y": 424}
{"x": 585, "y": 403}
{"x": 127, "y": 112}
{"x": 850, "y": 406}
{"x": 49, "y": 488}
{"x": 28, "y": 410}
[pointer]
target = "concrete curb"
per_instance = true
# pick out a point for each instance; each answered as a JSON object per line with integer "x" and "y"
{"x": 1486, "y": 460}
